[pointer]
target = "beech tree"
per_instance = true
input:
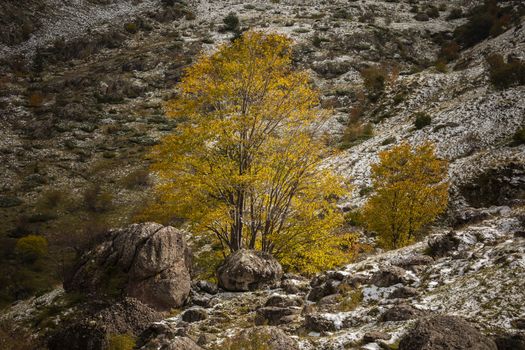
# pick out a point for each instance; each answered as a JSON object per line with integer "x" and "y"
{"x": 410, "y": 192}
{"x": 244, "y": 164}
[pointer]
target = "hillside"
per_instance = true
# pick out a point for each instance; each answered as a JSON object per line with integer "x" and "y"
{"x": 83, "y": 87}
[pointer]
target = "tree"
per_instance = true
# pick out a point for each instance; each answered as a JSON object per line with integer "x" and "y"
{"x": 410, "y": 192}
{"x": 244, "y": 162}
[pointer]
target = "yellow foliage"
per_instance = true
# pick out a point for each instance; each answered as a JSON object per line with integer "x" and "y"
{"x": 31, "y": 248}
{"x": 244, "y": 163}
{"x": 121, "y": 342}
{"x": 410, "y": 192}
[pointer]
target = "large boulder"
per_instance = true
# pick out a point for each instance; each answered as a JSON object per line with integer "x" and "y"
{"x": 247, "y": 270}
{"x": 149, "y": 262}
{"x": 444, "y": 333}
{"x": 95, "y": 320}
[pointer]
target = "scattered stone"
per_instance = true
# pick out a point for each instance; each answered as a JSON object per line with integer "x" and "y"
{"x": 319, "y": 323}
{"x": 207, "y": 287}
{"x": 388, "y": 276}
{"x": 444, "y": 332}
{"x": 328, "y": 287}
{"x": 273, "y": 315}
{"x": 371, "y": 337}
{"x": 441, "y": 245}
{"x": 400, "y": 313}
{"x": 284, "y": 301}
{"x": 403, "y": 292}
{"x": 247, "y": 270}
{"x": 194, "y": 315}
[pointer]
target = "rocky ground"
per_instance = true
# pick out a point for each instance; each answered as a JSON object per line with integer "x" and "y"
{"x": 82, "y": 87}
{"x": 475, "y": 272}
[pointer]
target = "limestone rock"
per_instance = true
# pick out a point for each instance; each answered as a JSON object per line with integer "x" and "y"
{"x": 247, "y": 270}
{"x": 149, "y": 262}
{"x": 445, "y": 332}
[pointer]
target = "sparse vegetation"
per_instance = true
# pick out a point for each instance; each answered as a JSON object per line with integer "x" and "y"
{"x": 422, "y": 120}
{"x": 121, "y": 342}
{"x": 232, "y": 22}
{"x": 519, "y": 137}
{"x": 489, "y": 19}
{"x": 506, "y": 74}
{"x": 31, "y": 248}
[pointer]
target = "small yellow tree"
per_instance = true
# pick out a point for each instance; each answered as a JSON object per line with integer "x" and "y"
{"x": 244, "y": 162}
{"x": 410, "y": 192}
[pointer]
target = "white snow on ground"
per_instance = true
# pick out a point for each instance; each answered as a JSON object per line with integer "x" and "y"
{"x": 69, "y": 19}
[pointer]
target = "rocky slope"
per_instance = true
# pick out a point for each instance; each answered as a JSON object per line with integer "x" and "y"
{"x": 82, "y": 88}
{"x": 475, "y": 272}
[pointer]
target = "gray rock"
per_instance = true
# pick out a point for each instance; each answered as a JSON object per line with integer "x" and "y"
{"x": 247, "y": 270}
{"x": 273, "y": 315}
{"x": 441, "y": 245}
{"x": 147, "y": 261}
{"x": 284, "y": 301}
{"x": 403, "y": 292}
{"x": 400, "y": 313}
{"x": 194, "y": 315}
{"x": 207, "y": 287}
{"x": 510, "y": 341}
{"x": 323, "y": 289}
{"x": 444, "y": 333}
{"x": 371, "y": 337}
{"x": 318, "y": 323}
{"x": 388, "y": 276}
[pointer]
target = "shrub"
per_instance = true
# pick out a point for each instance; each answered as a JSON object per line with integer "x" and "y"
{"x": 455, "y": 13}
{"x": 356, "y": 133}
{"x": 410, "y": 191}
{"x": 9, "y": 201}
{"x": 96, "y": 199}
{"x": 131, "y": 27}
{"x": 432, "y": 12}
{"x": 519, "y": 137}
{"x": 486, "y": 20}
{"x": 121, "y": 342}
{"x": 136, "y": 179}
{"x": 232, "y": 22}
{"x": 502, "y": 74}
{"x": 449, "y": 51}
{"x": 31, "y": 248}
{"x": 422, "y": 120}
{"x": 36, "y": 99}
{"x": 374, "y": 80}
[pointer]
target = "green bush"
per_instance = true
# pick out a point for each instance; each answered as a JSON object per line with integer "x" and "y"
{"x": 131, "y": 27}
{"x": 121, "y": 342}
{"x": 503, "y": 74}
{"x": 31, "y": 248}
{"x": 231, "y": 22}
{"x": 422, "y": 120}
